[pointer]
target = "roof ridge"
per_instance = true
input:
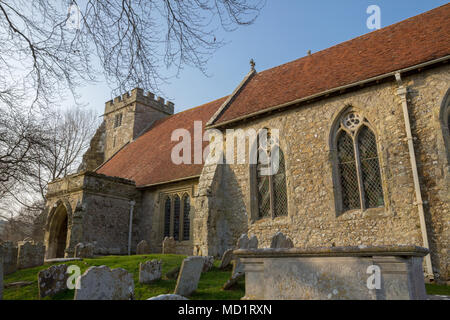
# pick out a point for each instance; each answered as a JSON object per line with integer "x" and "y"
{"x": 358, "y": 37}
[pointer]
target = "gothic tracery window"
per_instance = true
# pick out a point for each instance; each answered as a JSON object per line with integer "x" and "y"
{"x": 167, "y": 208}
{"x": 358, "y": 170}
{"x": 445, "y": 122}
{"x": 176, "y": 216}
{"x": 271, "y": 186}
{"x": 186, "y": 221}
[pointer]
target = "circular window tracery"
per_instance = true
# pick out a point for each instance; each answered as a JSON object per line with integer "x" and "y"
{"x": 352, "y": 121}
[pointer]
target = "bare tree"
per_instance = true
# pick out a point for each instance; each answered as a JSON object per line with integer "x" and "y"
{"x": 50, "y": 49}
{"x": 55, "y": 149}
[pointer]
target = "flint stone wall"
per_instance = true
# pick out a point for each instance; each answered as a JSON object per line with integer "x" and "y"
{"x": 338, "y": 273}
{"x": 305, "y": 140}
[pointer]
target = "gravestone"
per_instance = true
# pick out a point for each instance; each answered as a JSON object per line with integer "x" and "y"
{"x": 143, "y": 248}
{"x": 191, "y": 270}
{"x": 52, "y": 281}
{"x": 84, "y": 250}
{"x": 243, "y": 243}
{"x": 253, "y": 242}
{"x": 168, "y": 297}
{"x": 150, "y": 271}
{"x": 226, "y": 259}
{"x": 102, "y": 283}
{"x": 280, "y": 241}
{"x": 169, "y": 245}
{"x": 1, "y": 273}
{"x": 9, "y": 257}
{"x": 208, "y": 263}
{"x": 30, "y": 254}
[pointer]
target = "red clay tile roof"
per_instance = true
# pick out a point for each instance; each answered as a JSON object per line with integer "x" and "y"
{"x": 407, "y": 43}
{"x": 147, "y": 160}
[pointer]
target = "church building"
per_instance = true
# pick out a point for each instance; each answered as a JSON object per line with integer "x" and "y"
{"x": 364, "y": 157}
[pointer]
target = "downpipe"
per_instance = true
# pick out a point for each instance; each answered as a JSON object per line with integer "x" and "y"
{"x": 402, "y": 92}
{"x": 130, "y": 230}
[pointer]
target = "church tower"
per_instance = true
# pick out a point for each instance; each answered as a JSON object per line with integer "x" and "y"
{"x": 128, "y": 116}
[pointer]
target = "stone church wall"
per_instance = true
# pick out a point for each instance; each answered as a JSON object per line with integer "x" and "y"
{"x": 304, "y": 137}
{"x": 150, "y": 221}
{"x": 98, "y": 209}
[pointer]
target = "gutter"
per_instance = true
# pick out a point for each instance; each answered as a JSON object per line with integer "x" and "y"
{"x": 167, "y": 182}
{"x": 327, "y": 92}
{"x": 402, "y": 93}
{"x": 130, "y": 230}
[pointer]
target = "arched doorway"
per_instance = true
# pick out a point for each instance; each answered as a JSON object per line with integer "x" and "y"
{"x": 57, "y": 238}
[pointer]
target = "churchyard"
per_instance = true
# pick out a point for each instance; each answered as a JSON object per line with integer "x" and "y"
{"x": 209, "y": 287}
{"x": 280, "y": 272}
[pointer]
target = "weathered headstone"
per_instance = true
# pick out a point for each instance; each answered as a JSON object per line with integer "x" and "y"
{"x": 208, "y": 264}
{"x": 9, "y": 257}
{"x": 52, "y": 281}
{"x": 280, "y": 241}
{"x": 169, "y": 245}
{"x": 168, "y": 297}
{"x": 253, "y": 242}
{"x": 150, "y": 271}
{"x": 143, "y": 248}
{"x": 84, "y": 250}
{"x": 1, "y": 273}
{"x": 30, "y": 254}
{"x": 226, "y": 259}
{"x": 102, "y": 283}
{"x": 191, "y": 270}
{"x": 243, "y": 243}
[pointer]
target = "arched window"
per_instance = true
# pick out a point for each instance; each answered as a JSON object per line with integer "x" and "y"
{"x": 176, "y": 218}
{"x": 357, "y": 169}
{"x": 271, "y": 185}
{"x": 445, "y": 122}
{"x": 167, "y": 206}
{"x": 279, "y": 188}
{"x": 186, "y": 221}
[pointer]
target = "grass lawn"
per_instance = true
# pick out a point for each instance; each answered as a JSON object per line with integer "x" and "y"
{"x": 438, "y": 289}
{"x": 210, "y": 285}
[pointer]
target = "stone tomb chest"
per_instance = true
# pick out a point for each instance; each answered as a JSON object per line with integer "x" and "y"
{"x": 338, "y": 273}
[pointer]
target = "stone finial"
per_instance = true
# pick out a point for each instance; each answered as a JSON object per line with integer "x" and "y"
{"x": 252, "y": 64}
{"x": 309, "y": 52}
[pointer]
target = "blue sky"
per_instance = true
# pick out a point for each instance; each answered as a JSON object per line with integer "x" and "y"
{"x": 285, "y": 31}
